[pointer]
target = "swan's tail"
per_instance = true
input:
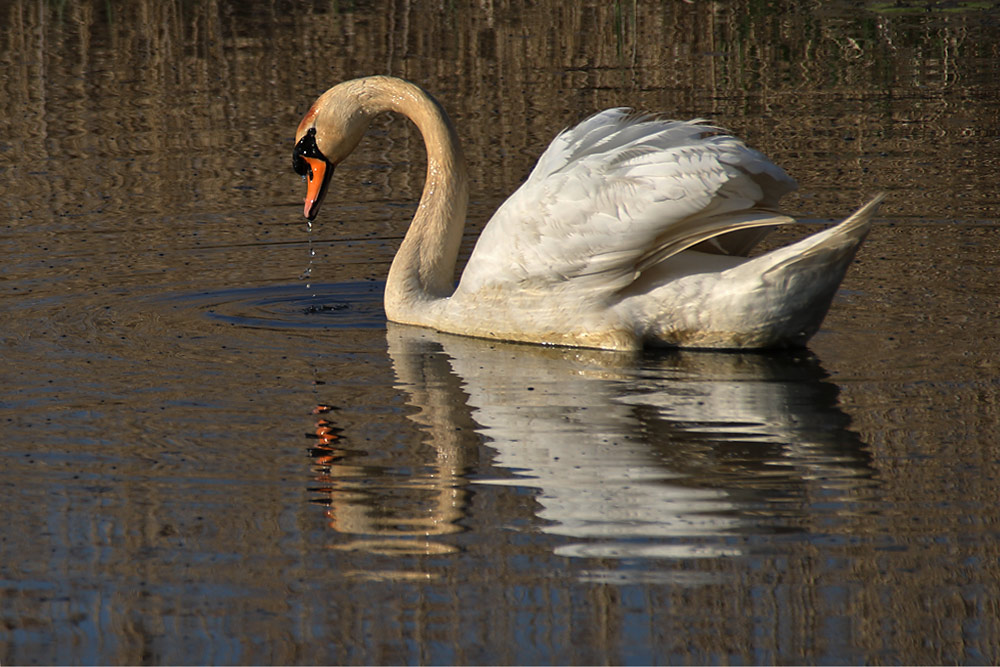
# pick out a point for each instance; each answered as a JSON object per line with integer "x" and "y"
{"x": 862, "y": 217}
{"x": 778, "y": 299}
{"x": 793, "y": 286}
{"x": 830, "y": 250}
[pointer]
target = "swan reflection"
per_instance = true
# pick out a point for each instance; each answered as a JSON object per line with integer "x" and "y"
{"x": 387, "y": 512}
{"x": 667, "y": 455}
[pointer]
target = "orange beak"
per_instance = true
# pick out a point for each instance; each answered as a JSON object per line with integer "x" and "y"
{"x": 320, "y": 172}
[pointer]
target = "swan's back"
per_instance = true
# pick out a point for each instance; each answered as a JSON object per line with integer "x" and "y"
{"x": 618, "y": 194}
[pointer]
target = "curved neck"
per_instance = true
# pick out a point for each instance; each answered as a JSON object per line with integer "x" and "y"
{"x": 424, "y": 266}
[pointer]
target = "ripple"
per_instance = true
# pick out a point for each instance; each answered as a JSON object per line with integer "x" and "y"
{"x": 352, "y": 305}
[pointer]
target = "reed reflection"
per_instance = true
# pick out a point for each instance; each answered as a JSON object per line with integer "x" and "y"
{"x": 671, "y": 455}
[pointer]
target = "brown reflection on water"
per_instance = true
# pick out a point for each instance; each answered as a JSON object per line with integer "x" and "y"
{"x": 196, "y": 99}
{"x": 157, "y": 505}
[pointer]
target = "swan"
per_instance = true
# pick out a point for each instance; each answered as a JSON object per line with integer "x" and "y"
{"x": 630, "y": 231}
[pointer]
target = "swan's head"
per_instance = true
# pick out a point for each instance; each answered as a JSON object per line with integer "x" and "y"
{"x": 327, "y": 134}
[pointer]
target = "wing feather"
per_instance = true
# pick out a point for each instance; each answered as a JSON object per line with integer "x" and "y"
{"x": 617, "y": 194}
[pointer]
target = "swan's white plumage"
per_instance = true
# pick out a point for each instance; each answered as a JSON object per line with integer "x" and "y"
{"x": 616, "y": 190}
{"x": 630, "y": 231}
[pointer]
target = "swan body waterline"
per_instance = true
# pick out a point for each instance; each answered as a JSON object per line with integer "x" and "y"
{"x": 630, "y": 231}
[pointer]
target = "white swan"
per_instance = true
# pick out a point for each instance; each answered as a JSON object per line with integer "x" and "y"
{"x": 630, "y": 231}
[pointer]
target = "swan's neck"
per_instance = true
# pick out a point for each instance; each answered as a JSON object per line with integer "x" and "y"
{"x": 424, "y": 267}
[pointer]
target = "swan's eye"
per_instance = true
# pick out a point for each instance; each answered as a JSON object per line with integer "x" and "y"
{"x": 300, "y": 166}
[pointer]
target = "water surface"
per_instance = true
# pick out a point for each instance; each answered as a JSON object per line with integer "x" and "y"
{"x": 215, "y": 449}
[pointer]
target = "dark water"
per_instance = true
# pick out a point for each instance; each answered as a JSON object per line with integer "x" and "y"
{"x": 214, "y": 449}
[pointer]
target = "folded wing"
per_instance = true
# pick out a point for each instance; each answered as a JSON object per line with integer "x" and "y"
{"x": 619, "y": 193}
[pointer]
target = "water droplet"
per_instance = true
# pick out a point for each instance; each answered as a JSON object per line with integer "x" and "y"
{"x": 307, "y": 273}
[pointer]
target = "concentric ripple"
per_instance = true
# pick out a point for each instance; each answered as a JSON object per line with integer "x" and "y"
{"x": 354, "y": 305}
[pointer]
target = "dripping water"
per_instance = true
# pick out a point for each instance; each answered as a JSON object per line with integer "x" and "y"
{"x": 307, "y": 273}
